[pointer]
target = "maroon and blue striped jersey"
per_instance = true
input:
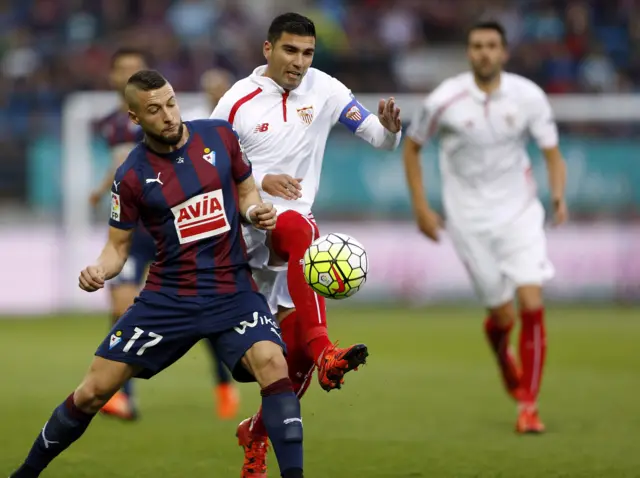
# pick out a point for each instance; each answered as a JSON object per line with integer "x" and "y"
{"x": 188, "y": 201}
{"x": 117, "y": 128}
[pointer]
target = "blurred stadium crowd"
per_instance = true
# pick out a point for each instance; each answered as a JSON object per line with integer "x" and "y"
{"x": 50, "y": 48}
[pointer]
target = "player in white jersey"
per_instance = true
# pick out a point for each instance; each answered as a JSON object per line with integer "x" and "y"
{"x": 484, "y": 119}
{"x": 283, "y": 114}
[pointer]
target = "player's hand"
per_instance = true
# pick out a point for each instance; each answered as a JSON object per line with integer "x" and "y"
{"x": 389, "y": 115}
{"x": 429, "y": 223}
{"x": 92, "y": 278}
{"x": 94, "y": 198}
{"x": 282, "y": 186}
{"x": 560, "y": 212}
{"x": 264, "y": 216}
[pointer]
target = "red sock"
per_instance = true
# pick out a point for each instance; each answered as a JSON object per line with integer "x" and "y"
{"x": 498, "y": 337}
{"x": 533, "y": 349}
{"x": 293, "y": 234}
{"x": 300, "y": 365}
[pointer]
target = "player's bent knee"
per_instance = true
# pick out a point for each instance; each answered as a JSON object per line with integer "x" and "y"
{"x": 504, "y": 314}
{"x": 265, "y": 360}
{"x": 296, "y": 227}
{"x": 283, "y": 313}
{"x": 104, "y": 379}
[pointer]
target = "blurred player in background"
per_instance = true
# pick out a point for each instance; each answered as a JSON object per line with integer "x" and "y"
{"x": 283, "y": 114}
{"x": 484, "y": 119}
{"x": 215, "y": 83}
{"x": 191, "y": 186}
{"x": 121, "y": 135}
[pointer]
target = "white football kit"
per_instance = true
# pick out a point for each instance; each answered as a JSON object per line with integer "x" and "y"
{"x": 494, "y": 217}
{"x": 286, "y": 133}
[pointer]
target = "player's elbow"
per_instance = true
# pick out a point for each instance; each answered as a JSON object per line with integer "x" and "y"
{"x": 552, "y": 154}
{"x": 411, "y": 150}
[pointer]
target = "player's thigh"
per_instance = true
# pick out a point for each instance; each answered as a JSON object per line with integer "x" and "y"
{"x": 478, "y": 257}
{"x": 156, "y": 331}
{"x": 522, "y": 250}
{"x": 257, "y": 339}
{"x": 292, "y": 229}
{"x": 283, "y": 313}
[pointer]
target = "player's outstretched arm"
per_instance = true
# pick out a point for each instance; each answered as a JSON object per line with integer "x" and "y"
{"x": 429, "y": 222}
{"x": 253, "y": 210}
{"x": 382, "y": 131}
{"x": 557, "y": 170}
{"x": 110, "y": 262}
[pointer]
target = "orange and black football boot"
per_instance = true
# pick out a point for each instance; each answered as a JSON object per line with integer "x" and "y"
{"x": 255, "y": 451}
{"x": 335, "y": 362}
{"x": 529, "y": 420}
{"x": 120, "y": 406}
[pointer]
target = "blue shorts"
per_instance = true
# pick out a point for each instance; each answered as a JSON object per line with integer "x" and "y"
{"x": 141, "y": 254}
{"x": 160, "y": 328}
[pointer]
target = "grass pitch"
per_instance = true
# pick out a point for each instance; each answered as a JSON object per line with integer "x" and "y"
{"x": 429, "y": 404}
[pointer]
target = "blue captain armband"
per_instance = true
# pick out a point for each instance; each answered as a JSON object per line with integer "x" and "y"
{"x": 353, "y": 115}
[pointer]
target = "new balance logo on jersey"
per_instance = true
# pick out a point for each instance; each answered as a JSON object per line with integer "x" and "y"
{"x": 201, "y": 217}
{"x": 261, "y": 128}
{"x": 155, "y": 180}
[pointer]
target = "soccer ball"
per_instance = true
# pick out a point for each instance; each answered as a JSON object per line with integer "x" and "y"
{"x": 335, "y": 266}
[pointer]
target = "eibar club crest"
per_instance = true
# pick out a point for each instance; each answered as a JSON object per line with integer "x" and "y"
{"x": 306, "y": 114}
{"x": 209, "y": 156}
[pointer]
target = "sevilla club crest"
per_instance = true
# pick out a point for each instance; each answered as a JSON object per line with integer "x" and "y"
{"x": 306, "y": 114}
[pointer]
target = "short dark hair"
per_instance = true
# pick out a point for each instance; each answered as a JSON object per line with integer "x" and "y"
{"x": 489, "y": 25}
{"x": 293, "y": 23}
{"x": 147, "y": 80}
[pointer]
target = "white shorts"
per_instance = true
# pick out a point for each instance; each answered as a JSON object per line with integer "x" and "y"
{"x": 269, "y": 274}
{"x": 499, "y": 262}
